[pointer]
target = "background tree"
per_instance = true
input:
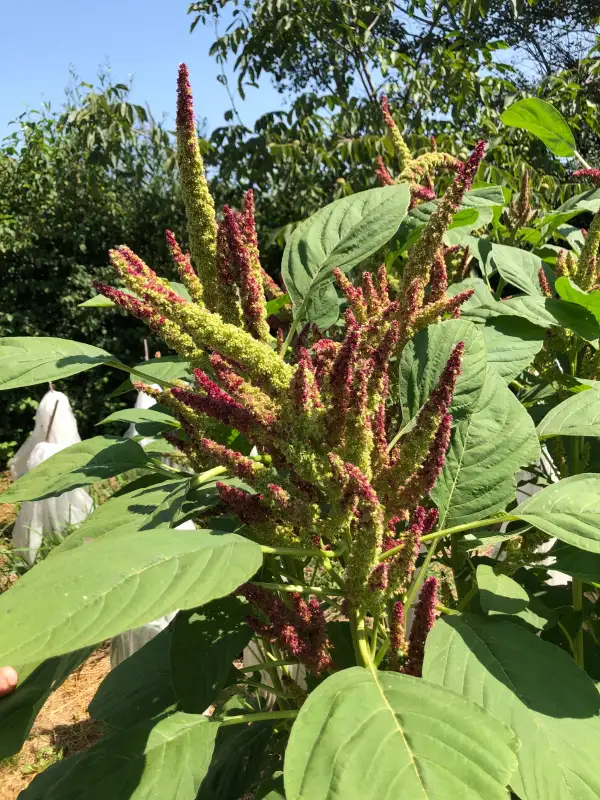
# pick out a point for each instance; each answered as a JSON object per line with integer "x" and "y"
{"x": 74, "y": 183}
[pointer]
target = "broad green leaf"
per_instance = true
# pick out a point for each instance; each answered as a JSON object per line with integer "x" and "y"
{"x": 568, "y": 510}
{"x": 111, "y": 585}
{"x": 97, "y": 301}
{"x": 127, "y": 511}
{"x": 205, "y": 643}
{"x": 545, "y": 312}
{"x": 78, "y": 465}
{"x": 164, "y": 370}
{"x": 138, "y": 688}
{"x": 483, "y": 538}
{"x": 149, "y": 421}
{"x": 240, "y": 754}
{"x": 368, "y": 735}
{"x": 479, "y": 200}
{"x": 519, "y": 268}
{"x": 36, "y": 683}
{"x": 536, "y": 688}
{"x": 577, "y": 563}
{"x": 512, "y": 344}
{"x": 486, "y": 451}
{"x": 577, "y": 416}
{"x": 165, "y": 758}
{"x": 341, "y": 235}
{"x": 544, "y": 121}
{"x": 424, "y": 358}
{"x": 498, "y": 593}
{"x": 569, "y": 291}
{"x": 274, "y": 306}
{"x": 28, "y": 360}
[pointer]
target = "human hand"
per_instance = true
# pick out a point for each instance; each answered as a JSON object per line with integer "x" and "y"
{"x": 8, "y": 680}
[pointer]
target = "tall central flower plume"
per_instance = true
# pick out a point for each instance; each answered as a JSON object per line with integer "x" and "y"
{"x": 329, "y": 473}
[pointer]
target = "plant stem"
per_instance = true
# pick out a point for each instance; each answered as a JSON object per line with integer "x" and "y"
{"x": 363, "y": 642}
{"x": 261, "y": 716}
{"x": 431, "y": 537}
{"x": 289, "y": 587}
{"x": 300, "y": 553}
{"x": 412, "y": 592}
{"x": 468, "y": 597}
{"x": 268, "y": 665}
{"x": 578, "y": 606}
{"x": 581, "y": 160}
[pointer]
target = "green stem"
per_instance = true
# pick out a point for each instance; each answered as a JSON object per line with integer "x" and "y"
{"x": 293, "y": 327}
{"x": 381, "y": 653}
{"x": 301, "y": 589}
{"x": 581, "y": 160}
{"x": 468, "y": 597}
{"x": 412, "y": 592}
{"x": 578, "y": 606}
{"x": 363, "y": 642}
{"x": 268, "y": 665}
{"x": 468, "y": 526}
{"x": 264, "y": 687}
{"x": 299, "y": 552}
{"x": 445, "y": 610}
{"x": 261, "y": 716}
{"x": 374, "y": 636}
{"x": 204, "y": 477}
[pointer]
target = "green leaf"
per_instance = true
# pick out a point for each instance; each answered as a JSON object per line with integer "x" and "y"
{"x": 483, "y": 538}
{"x": 545, "y": 312}
{"x": 368, "y": 735}
{"x": 26, "y": 361}
{"x": 550, "y": 704}
{"x": 274, "y": 306}
{"x": 156, "y": 370}
{"x": 138, "y": 688}
{"x": 569, "y": 291}
{"x": 577, "y": 416}
{"x": 111, "y": 585}
{"x": 154, "y": 420}
{"x": 342, "y": 234}
{"x": 479, "y": 200}
{"x": 36, "y": 683}
{"x": 238, "y": 759}
{"x": 568, "y": 510}
{"x": 127, "y": 511}
{"x": 576, "y": 563}
{"x": 78, "y": 465}
{"x": 544, "y": 121}
{"x": 519, "y": 268}
{"x": 486, "y": 451}
{"x": 499, "y": 594}
{"x": 205, "y": 643}
{"x": 424, "y": 358}
{"x": 98, "y": 301}
{"x": 512, "y": 344}
{"x": 165, "y": 758}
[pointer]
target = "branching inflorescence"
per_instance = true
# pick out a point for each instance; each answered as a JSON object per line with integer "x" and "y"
{"x": 332, "y": 475}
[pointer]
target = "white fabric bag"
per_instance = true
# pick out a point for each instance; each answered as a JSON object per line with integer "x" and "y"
{"x": 50, "y": 517}
{"x": 55, "y": 427}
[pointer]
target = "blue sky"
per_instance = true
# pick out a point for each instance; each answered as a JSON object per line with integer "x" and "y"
{"x": 145, "y": 39}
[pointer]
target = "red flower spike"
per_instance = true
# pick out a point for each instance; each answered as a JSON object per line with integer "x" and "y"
{"x": 235, "y": 462}
{"x": 383, "y": 287}
{"x": 324, "y": 353}
{"x": 184, "y": 267}
{"x": 251, "y": 290}
{"x": 418, "y": 192}
{"x": 247, "y": 507}
{"x": 353, "y": 294}
{"x": 185, "y": 104}
{"x": 439, "y": 278}
{"x": 220, "y": 405}
{"x": 299, "y": 630}
{"x": 397, "y": 636}
{"x": 378, "y": 580}
{"x": 422, "y": 623}
{"x": 129, "y": 303}
{"x": 543, "y": 281}
{"x": 592, "y": 175}
{"x": 303, "y": 387}
{"x": 385, "y": 179}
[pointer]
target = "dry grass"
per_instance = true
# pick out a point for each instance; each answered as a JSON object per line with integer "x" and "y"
{"x": 63, "y": 727}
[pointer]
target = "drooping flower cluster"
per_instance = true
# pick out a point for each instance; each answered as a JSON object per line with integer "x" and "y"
{"x": 330, "y": 471}
{"x": 298, "y": 628}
